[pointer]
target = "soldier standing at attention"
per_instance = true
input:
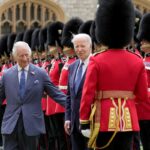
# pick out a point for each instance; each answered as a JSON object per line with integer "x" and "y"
{"x": 114, "y": 78}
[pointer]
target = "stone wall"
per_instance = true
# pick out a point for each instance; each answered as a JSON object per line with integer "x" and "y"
{"x": 85, "y": 9}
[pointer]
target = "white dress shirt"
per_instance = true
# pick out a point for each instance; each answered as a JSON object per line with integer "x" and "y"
{"x": 26, "y": 69}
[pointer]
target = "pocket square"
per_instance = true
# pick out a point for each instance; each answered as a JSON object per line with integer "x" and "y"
{"x": 36, "y": 81}
{"x": 32, "y": 72}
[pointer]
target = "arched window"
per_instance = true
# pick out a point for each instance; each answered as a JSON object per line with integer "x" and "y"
{"x": 35, "y": 25}
{"x": 6, "y": 28}
{"x": 20, "y": 27}
{"x": 39, "y": 13}
{"x": 17, "y": 16}
{"x": 17, "y": 12}
{"x": 24, "y": 12}
{"x": 9, "y": 14}
{"x": 32, "y": 12}
{"x": 46, "y": 14}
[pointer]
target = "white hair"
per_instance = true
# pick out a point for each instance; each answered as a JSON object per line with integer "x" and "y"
{"x": 20, "y": 44}
{"x": 82, "y": 36}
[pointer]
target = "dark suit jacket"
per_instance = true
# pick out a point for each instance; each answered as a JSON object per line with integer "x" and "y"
{"x": 37, "y": 82}
{"x": 73, "y": 99}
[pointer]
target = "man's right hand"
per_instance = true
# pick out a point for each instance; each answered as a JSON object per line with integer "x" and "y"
{"x": 67, "y": 126}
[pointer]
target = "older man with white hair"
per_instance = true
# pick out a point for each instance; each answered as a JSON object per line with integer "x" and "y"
{"x": 82, "y": 45}
{"x": 23, "y": 86}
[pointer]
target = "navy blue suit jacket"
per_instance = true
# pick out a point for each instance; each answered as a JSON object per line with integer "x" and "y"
{"x": 73, "y": 99}
{"x": 37, "y": 82}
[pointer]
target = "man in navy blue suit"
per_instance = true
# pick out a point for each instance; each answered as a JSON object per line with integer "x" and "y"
{"x": 23, "y": 86}
{"x": 82, "y": 45}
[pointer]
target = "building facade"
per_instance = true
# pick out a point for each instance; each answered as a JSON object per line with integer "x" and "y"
{"x": 19, "y": 15}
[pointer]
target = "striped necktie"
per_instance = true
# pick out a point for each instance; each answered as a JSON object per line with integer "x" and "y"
{"x": 78, "y": 77}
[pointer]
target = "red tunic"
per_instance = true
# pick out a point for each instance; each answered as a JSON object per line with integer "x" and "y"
{"x": 63, "y": 81}
{"x": 54, "y": 76}
{"x": 143, "y": 108}
{"x": 44, "y": 64}
{"x": 114, "y": 70}
{"x": 4, "y": 68}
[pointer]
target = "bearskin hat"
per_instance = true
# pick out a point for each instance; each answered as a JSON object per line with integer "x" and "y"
{"x": 54, "y": 33}
{"x": 42, "y": 38}
{"x": 115, "y": 23}
{"x": 3, "y": 45}
{"x": 144, "y": 28}
{"x": 85, "y": 27}
{"x": 138, "y": 16}
{"x": 35, "y": 39}
{"x": 71, "y": 27}
{"x": 19, "y": 37}
{"x": 92, "y": 32}
{"x": 27, "y": 36}
{"x": 10, "y": 42}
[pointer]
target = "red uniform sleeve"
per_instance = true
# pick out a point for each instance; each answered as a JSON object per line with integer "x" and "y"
{"x": 88, "y": 93}
{"x": 141, "y": 90}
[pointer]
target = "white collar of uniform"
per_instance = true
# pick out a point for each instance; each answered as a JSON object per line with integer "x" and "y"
{"x": 26, "y": 68}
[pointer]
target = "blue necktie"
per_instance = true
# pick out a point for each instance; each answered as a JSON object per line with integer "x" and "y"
{"x": 22, "y": 83}
{"x": 78, "y": 77}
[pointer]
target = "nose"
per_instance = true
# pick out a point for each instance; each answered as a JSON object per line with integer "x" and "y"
{"x": 79, "y": 49}
{"x": 24, "y": 57}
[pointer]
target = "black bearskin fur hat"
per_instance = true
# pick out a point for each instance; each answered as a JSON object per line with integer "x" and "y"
{"x": 71, "y": 27}
{"x": 115, "y": 23}
{"x": 54, "y": 33}
{"x": 35, "y": 39}
{"x": 144, "y": 28}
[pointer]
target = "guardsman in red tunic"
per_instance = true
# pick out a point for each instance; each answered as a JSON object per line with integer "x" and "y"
{"x": 71, "y": 28}
{"x": 35, "y": 47}
{"x": 143, "y": 109}
{"x": 115, "y": 80}
{"x": 6, "y": 43}
{"x": 63, "y": 81}
{"x": 57, "y": 138}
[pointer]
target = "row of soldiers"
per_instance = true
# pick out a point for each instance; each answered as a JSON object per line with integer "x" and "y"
{"x": 53, "y": 50}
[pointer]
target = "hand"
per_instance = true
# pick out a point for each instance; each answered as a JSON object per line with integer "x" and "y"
{"x": 67, "y": 126}
{"x": 86, "y": 132}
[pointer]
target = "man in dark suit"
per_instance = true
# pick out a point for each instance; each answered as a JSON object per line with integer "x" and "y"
{"x": 82, "y": 45}
{"x": 23, "y": 86}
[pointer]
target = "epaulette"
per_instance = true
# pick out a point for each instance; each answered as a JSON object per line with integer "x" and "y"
{"x": 134, "y": 53}
{"x": 99, "y": 52}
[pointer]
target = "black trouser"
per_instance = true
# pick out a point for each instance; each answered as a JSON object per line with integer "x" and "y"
{"x": 2, "y": 110}
{"x": 122, "y": 140}
{"x": 136, "y": 141}
{"x": 78, "y": 141}
{"x": 18, "y": 140}
{"x": 145, "y": 133}
{"x": 56, "y": 134}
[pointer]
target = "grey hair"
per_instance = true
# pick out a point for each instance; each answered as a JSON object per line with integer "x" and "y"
{"x": 82, "y": 36}
{"x": 20, "y": 44}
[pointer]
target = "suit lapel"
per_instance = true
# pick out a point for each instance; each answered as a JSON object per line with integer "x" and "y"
{"x": 15, "y": 78}
{"x": 30, "y": 78}
{"x": 74, "y": 73}
{"x": 82, "y": 81}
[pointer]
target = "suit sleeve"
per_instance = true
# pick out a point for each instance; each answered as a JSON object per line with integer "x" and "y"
{"x": 52, "y": 90}
{"x": 88, "y": 93}
{"x": 68, "y": 101}
{"x": 2, "y": 90}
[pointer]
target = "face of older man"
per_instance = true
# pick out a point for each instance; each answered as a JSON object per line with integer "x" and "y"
{"x": 22, "y": 56}
{"x": 82, "y": 48}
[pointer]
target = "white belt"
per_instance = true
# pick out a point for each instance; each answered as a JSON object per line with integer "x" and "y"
{"x": 63, "y": 87}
